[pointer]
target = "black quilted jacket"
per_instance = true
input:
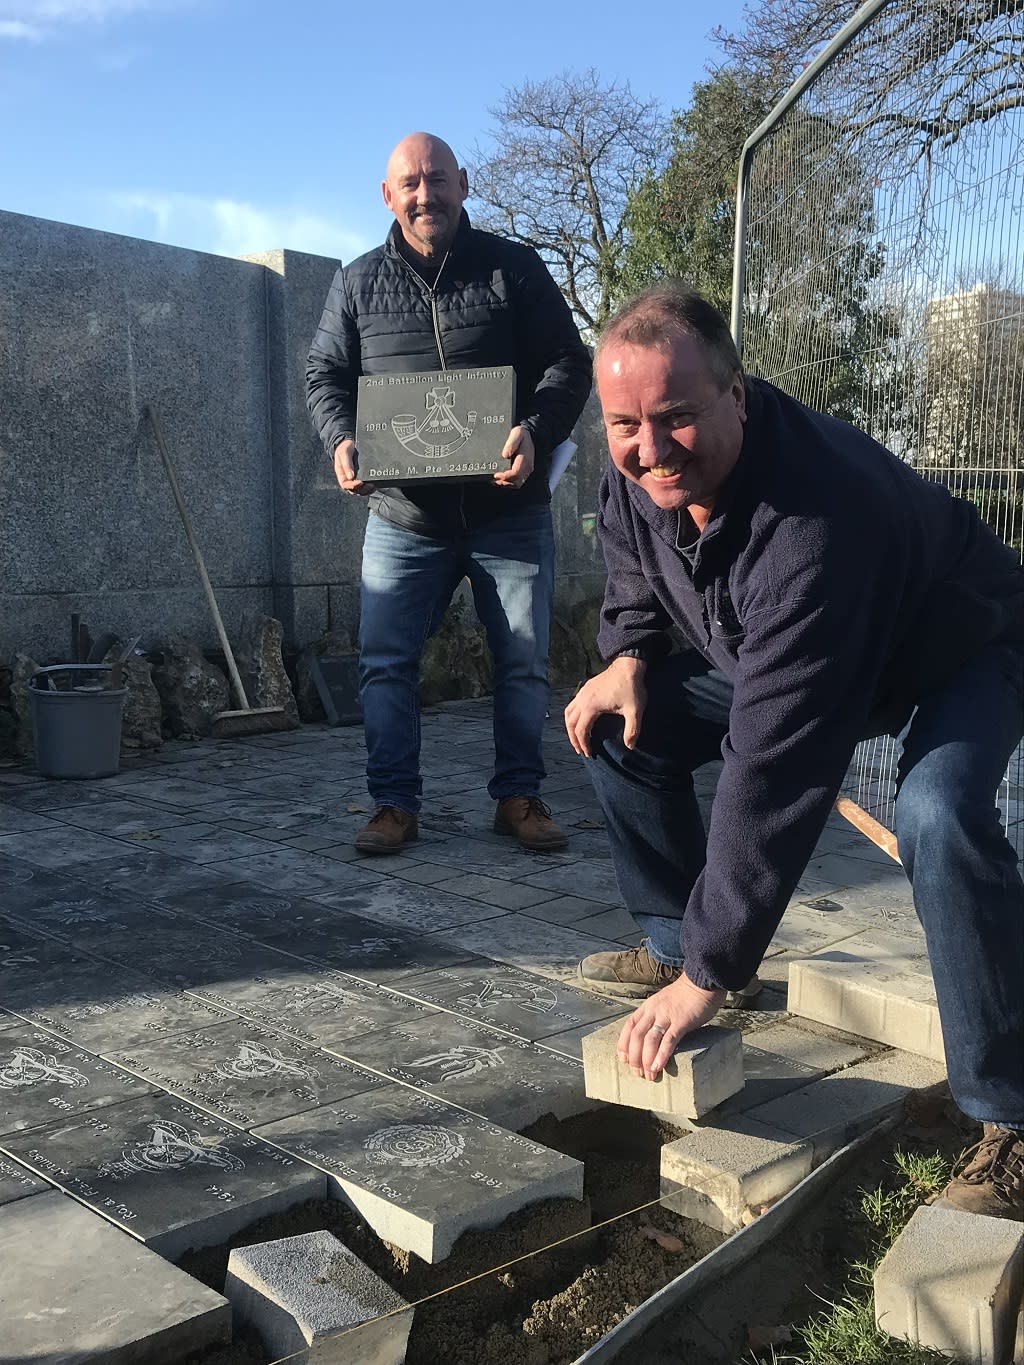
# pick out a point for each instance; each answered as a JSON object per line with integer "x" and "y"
{"x": 493, "y": 303}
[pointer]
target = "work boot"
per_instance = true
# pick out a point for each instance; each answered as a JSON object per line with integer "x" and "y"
{"x": 744, "y": 998}
{"x": 632, "y": 973}
{"x": 529, "y": 819}
{"x": 388, "y": 828}
{"x": 989, "y": 1177}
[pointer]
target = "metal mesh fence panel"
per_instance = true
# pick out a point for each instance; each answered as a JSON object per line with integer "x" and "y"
{"x": 881, "y": 270}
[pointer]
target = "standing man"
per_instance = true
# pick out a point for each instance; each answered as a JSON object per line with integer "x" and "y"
{"x": 438, "y": 295}
{"x": 829, "y": 593}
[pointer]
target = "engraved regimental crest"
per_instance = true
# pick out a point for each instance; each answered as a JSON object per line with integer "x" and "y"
{"x": 439, "y": 432}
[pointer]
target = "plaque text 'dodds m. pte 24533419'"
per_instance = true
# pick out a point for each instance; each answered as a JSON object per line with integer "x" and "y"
{"x": 450, "y": 424}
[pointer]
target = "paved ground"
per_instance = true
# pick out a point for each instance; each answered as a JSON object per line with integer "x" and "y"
{"x": 199, "y": 976}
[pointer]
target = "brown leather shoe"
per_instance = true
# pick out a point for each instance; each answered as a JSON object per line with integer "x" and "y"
{"x": 529, "y": 819}
{"x": 633, "y": 973}
{"x": 387, "y": 829}
{"x": 990, "y": 1176}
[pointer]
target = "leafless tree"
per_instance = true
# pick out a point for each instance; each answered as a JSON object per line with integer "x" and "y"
{"x": 565, "y": 154}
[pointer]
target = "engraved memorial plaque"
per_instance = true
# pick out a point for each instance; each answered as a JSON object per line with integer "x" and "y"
{"x": 164, "y": 1171}
{"x": 449, "y": 424}
{"x": 16, "y": 1181}
{"x": 42, "y": 1077}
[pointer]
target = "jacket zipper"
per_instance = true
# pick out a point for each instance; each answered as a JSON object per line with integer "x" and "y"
{"x": 431, "y": 291}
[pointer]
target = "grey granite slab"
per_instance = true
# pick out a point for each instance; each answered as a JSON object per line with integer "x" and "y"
{"x": 121, "y": 819}
{"x": 421, "y": 1172}
{"x": 152, "y": 876}
{"x": 409, "y": 906}
{"x": 533, "y": 945}
{"x": 594, "y": 881}
{"x": 104, "y": 1008}
{"x": 76, "y": 913}
{"x": 530, "y": 1006}
{"x": 52, "y": 794}
{"x": 17, "y": 1181}
{"x": 165, "y": 1171}
{"x": 244, "y": 1073}
{"x": 53, "y": 1242}
{"x": 321, "y": 1006}
{"x": 247, "y": 909}
{"x": 180, "y": 793}
{"x": 377, "y": 953}
{"x": 13, "y": 820}
{"x": 292, "y": 871}
{"x": 766, "y": 1076}
{"x": 188, "y": 955}
{"x": 25, "y": 888}
{"x": 61, "y": 849}
{"x": 203, "y": 842}
{"x": 493, "y": 1074}
{"x": 42, "y": 1076}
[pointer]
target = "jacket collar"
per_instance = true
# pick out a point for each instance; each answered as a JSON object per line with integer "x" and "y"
{"x": 462, "y": 238}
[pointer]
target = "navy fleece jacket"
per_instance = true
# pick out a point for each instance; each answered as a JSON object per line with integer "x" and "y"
{"x": 834, "y": 586}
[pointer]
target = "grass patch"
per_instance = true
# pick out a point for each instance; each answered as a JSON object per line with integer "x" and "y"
{"x": 845, "y": 1332}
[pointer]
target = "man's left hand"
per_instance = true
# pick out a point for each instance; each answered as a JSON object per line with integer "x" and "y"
{"x": 653, "y": 1031}
{"x": 519, "y": 451}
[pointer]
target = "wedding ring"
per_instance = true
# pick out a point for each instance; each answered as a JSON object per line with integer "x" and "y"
{"x": 656, "y": 1028}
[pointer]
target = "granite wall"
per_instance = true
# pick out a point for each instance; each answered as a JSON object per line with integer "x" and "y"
{"x": 93, "y": 327}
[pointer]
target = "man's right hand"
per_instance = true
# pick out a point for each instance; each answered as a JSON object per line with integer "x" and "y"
{"x": 618, "y": 691}
{"x": 345, "y": 455}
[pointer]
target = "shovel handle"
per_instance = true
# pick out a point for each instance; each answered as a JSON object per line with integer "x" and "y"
{"x": 869, "y": 827}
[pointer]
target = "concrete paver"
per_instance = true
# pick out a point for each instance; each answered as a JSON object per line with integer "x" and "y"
{"x": 870, "y": 998}
{"x": 304, "y": 1295}
{"x": 953, "y": 1281}
{"x": 706, "y": 1068}
{"x": 719, "y": 1176}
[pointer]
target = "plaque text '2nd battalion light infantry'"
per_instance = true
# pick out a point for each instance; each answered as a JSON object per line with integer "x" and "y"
{"x": 447, "y": 424}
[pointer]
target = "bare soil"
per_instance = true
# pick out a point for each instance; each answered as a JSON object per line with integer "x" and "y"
{"x": 550, "y": 1308}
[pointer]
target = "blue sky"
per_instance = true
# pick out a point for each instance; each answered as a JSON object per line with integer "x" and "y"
{"x": 237, "y": 127}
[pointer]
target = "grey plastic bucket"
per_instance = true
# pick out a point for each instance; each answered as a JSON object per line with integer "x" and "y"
{"x": 77, "y": 729}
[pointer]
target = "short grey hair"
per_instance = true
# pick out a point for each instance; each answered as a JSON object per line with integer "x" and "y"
{"x": 669, "y": 310}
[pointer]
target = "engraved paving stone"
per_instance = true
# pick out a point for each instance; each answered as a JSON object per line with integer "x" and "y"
{"x": 247, "y": 909}
{"x": 16, "y": 1181}
{"x": 430, "y": 425}
{"x": 421, "y": 1172}
{"x": 165, "y": 1171}
{"x": 533, "y": 1007}
{"x": 498, "y": 1076}
{"x": 322, "y": 1007}
{"x": 373, "y": 952}
{"x": 42, "y": 1077}
{"x": 245, "y": 1073}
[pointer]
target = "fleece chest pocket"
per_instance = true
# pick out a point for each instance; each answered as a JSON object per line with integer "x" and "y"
{"x": 720, "y": 616}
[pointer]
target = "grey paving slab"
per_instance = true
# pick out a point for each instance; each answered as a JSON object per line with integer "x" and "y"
{"x": 766, "y": 1076}
{"x": 70, "y": 1268}
{"x": 18, "y": 1182}
{"x": 293, "y": 871}
{"x": 75, "y": 913}
{"x": 16, "y": 821}
{"x": 61, "y": 848}
{"x": 374, "y": 952}
{"x": 42, "y": 1076}
{"x": 149, "y": 875}
{"x": 15, "y": 871}
{"x": 120, "y": 819}
{"x": 531, "y": 944}
{"x": 27, "y": 957}
{"x": 179, "y": 792}
{"x": 495, "y": 892}
{"x": 247, "y": 909}
{"x": 165, "y": 1171}
{"x": 207, "y": 843}
{"x": 244, "y": 1073}
{"x": 570, "y": 1043}
{"x": 807, "y": 930}
{"x": 490, "y": 855}
{"x": 570, "y": 911}
{"x": 595, "y": 881}
{"x": 320, "y": 1006}
{"x": 421, "y": 1172}
{"x": 408, "y": 906}
{"x": 190, "y": 955}
{"x": 493, "y": 1074}
{"x": 522, "y": 1003}
{"x": 423, "y": 874}
{"x": 617, "y": 923}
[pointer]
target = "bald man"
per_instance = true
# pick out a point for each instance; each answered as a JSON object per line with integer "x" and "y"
{"x": 441, "y": 295}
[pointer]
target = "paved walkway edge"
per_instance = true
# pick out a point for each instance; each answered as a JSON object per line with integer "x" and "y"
{"x": 731, "y": 1254}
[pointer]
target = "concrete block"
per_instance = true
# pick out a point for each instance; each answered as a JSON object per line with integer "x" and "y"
{"x": 706, "y": 1069}
{"x": 305, "y": 1294}
{"x": 75, "y": 1288}
{"x": 953, "y": 1281}
{"x": 836, "y": 1109}
{"x": 716, "y": 1176}
{"x": 878, "y": 1000}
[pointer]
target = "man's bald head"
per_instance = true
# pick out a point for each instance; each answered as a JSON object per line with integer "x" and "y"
{"x": 425, "y": 189}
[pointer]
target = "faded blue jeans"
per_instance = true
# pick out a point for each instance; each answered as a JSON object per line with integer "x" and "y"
{"x": 965, "y": 877}
{"x": 407, "y": 583}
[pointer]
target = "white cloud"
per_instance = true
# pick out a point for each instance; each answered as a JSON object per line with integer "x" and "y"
{"x": 227, "y": 227}
{"x": 17, "y": 28}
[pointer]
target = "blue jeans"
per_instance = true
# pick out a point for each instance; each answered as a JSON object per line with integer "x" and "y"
{"x": 407, "y": 583}
{"x": 966, "y": 883}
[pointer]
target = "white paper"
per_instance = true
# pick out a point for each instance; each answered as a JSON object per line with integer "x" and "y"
{"x": 561, "y": 458}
